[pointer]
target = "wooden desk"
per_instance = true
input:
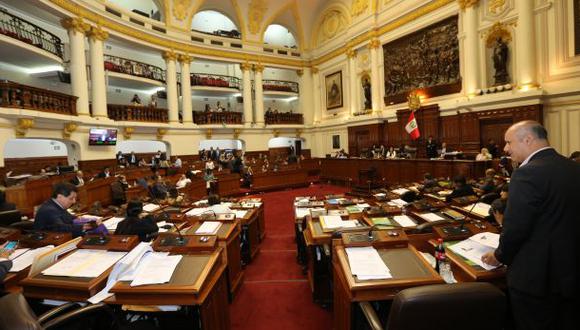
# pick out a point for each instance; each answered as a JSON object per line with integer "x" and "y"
{"x": 250, "y": 239}
{"x": 228, "y": 184}
{"x": 8, "y": 234}
{"x": 407, "y": 267}
{"x": 44, "y": 238}
{"x": 199, "y": 280}
{"x": 280, "y": 179}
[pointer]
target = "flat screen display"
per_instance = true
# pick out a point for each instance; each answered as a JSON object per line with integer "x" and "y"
{"x": 102, "y": 137}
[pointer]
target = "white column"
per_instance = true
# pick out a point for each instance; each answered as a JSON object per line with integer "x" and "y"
{"x": 76, "y": 33}
{"x": 306, "y": 99}
{"x": 98, "y": 85}
{"x": 374, "y": 46}
{"x": 258, "y": 69}
{"x": 171, "y": 86}
{"x": 526, "y": 45}
{"x": 353, "y": 85}
{"x": 317, "y": 95}
{"x": 247, "y": 92}
{"x": 471, "y": 68}
{"x": 186, "y": 106}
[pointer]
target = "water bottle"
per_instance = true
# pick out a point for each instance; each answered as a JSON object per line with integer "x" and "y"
{"x": 442, "y": 265}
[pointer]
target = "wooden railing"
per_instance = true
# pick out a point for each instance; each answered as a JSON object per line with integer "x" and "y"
{"x": 280, "y": 86}
{"x": 283, "y": 118}
{"x": 14, "y": 95}
{"x": 17, "y": 28}
{"x": 125, "y": 112}
{"x": 226, "y": 117}
{"x": 214, "y": 80}
{"x": 235, "y": 34}
{"x": 134, "y": 68}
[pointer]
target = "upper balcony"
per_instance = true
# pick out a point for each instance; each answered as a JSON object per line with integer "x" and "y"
{"x": 124, "y": 72}
{"x": 280, "y": 88}
{"x": 15, "y": 95}
{"x": 17, "y": 34}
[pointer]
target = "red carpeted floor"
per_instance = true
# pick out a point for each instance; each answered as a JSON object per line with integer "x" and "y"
{"x": 275, "y": 294}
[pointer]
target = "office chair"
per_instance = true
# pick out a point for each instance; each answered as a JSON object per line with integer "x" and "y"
{"x": 9, "y": 217}
{"x": 474, "y": 306}
{"x": 489, "y": 197}
{"x": 17, "y": 315}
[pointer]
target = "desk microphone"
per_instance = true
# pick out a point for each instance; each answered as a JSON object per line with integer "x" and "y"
{"x": 178, "y": 240}
{"x": 455, "y": 230}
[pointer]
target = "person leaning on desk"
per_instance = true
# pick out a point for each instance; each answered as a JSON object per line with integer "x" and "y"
{"x": 52, "y": 215}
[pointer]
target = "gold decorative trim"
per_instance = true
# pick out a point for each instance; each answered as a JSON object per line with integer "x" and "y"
{"x": 182, "y": 58}
{"x": 160, "y": 133}
{"x": 464, "y": 4}
{"x": 374, "y": 44}
{"x": 276, "y": 133}
{"x": 498, "y": 30}
{"x": 169, "y": 55}
{"x": 258, "y": 68}
{"x": 358, "y": 7}
{"x": 414, "y": 101}
{"x": 237, "y": 133}
{"x": 68, "y": 129}
{"x": 127, "y": 132}
{"x": 350, "y": 53}
{"x": 256, "y": 11}
{"x": 96, "y": 32}
{"x": 75, "y": 23}
{"x": 22, "y": 125}
{"x": 245, "y": 66}
{"x": 299, "y": 72}
{"x": 315, "y": 70}
{"x": 298, "y": 132}
{"x": 208, "y": 133}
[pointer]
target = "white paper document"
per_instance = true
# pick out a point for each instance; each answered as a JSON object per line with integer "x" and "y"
{"x": 112, "y": 223}
{"x": 240, "y": 214}
{"x": 366, "y": 263}
{"x": 400, "y": 191}
{"x": 197, "y": 211}
{"x": 150, "y": 207}
{"x": 160, "y": 224}
{"x": 84, "y": 263}
{"x": 397, "y": 202}
{"x": 472, "y": 250}
{"x": 363, "y": 205}
{"x": 480, "y": 209}
{"x": 209, "y": 227}
{"x": 487, "y": 239}
{"x": 430, "y": 217}
{"x": 21, "y": 261}
{"x": 318, "y": 211}
{"x": 335, "y": 221}
{"x": 404, "y": 221}
{"x": 301, "y": 212}
{"x": 220, "y": 208}
{"x": 155, "y": 269}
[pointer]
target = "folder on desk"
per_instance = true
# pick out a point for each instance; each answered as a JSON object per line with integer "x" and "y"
{"x": 149, "y": 207}
{"x": 335, "y": 222}
{"x": 84, "y": 263}
{"x": 475, "y": 247}
{"x": 430, "y": 217}
{"x": 208, "y": 228}
{"x": 366, "y": 263}
{"x": 480, "y": 209}
{"x": 404, "y": 221}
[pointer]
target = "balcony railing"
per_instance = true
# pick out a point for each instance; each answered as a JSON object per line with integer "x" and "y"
{"x": 226, "y": 117}
{"x": 280, "y": 86}
{"x": 17, "y": 28}
{"x": 134, "y": 68}
{"x": 14, "y": 95}
{"x": 125, "y": 112}
{"x": 235, "y": 34}
{"x": 273, "y": 118}
{"x": 214, "y": 80}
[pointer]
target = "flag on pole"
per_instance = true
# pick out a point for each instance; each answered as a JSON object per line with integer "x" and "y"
{"x": 412, "y": 128}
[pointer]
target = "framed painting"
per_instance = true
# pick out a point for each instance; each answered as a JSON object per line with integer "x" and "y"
{"x": 336, "y": 142}
{"x": 334, "y": 90}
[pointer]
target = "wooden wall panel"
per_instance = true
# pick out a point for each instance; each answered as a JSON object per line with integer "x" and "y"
{"x": 450, "y": 132}
{"x": 363, "y": 137}
{"x": 469, "y": 130}
{"x": 32, "y": 165}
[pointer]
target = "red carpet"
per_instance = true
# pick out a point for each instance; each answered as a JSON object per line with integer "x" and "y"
{"x": 275, "y": 294}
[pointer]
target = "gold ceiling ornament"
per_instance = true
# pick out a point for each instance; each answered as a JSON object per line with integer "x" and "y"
{"x": 75, "y": 23}
{"x": 161, "y": 132}
{"x": 256, "y": 14}
{"x": 497, "y": 31}
{"x": 169, "y": 55}
{"x": 495, "y": 6}
{"x": 315, "y": 70}
{"x": 276, "y": 133}
{"x": 333, "y": 22}
{"x": 68, "y": 129}
{"x": 299, "y": 72}
{"x": 237, "y": 133}
{"x": 208, "y": 133}
{"x": 358, "y": 7}
{"x": 414, "y": 101}
{"x": 97, "y": 32}
{"x": 464, "y": 4}
{"x": 127, "y": 132}
{"x": 245, "y": 66}
{"x": 180, "y": 9}
{"x": 350, "y": 53}
{"x": 22, "y": 125}
{"x": 184, "y": 58}
{"x": 259, "y": 67}
{"x": 374, "y": 43}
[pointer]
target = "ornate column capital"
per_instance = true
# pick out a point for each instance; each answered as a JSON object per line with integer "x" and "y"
{"x": 374, "y": 43}
{"x": 299, "y": 72}
{"x": 160, "y": 133}
{"x": 314, "y": 70}
{"x": 68, "y": 129}
{"x": 184, "y": 58}
{"x": 259, "y": 68}
{"x": 76, "y": 24}
{"x": 351, "y": 53}
{"x": 464, "y": 4}
{"x": 245, "y": 66}
{"x": 22, "y": 126}
{"x": 97, "y": 33}
{"x": 169, "y": 55}
{"x": 127, "y": 132}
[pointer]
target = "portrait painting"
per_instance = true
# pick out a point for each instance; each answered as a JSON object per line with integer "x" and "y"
{"x": 334, "y": 90}
{"x": 336, "y": 142}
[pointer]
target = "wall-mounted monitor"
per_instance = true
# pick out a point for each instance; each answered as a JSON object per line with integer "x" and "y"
{"x": 102, "y": 137}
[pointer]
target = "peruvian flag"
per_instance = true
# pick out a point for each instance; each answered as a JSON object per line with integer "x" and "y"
{"x": 412, "y": 128}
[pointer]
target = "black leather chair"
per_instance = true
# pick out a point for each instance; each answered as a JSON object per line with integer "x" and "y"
{"x": 17, "y": 315}
{"x": 489, "y": 197}
{"x": 9, "y": 217}
{"x": 473, "y": 306}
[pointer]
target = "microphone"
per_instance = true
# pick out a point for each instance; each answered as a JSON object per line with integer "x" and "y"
{"x": 172, "y": 240}
{"x": 459, "y": 230}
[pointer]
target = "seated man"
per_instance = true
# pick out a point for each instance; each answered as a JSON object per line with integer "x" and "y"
{"x": 488, "y": 185}
{"x": 460, "y": 188}
{"x": 78, "y": 180}
{"x": 52, "y": 215}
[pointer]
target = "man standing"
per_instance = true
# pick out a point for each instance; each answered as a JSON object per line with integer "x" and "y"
{"x": 431, "y": 148}
{"x": 540, "y": 238}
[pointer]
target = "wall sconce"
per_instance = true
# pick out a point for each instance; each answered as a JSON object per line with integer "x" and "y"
{"x": 68, "y": 129}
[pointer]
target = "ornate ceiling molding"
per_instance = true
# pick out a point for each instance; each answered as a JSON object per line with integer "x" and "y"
{"x": 464, "y": 4}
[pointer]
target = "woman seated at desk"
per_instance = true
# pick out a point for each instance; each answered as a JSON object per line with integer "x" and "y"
{"x": 483, "y": 155}
{"x": 137, "y": 223}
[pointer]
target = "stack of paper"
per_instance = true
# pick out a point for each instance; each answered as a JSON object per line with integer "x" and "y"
{"x": 366, "y": 263}
{"x": 150, "y": 207}
{"x": 240, "y": 214}
{"x": 302, "y": 212}
{"x": 317, "y": 211}
{"x": 404, "y": 221}
{"x": 197, "y": 211}
{"x": 400, "y": 191}
{"x": 161, "y": 224}
{"x": 430, "y": 217}
{"x": 208, "y": 228}
{"x": 155, "y": 268}
{"x": 84, "y": 263}
{"x": 340, "y": 212}
{"x": 476, "y": 246}
{"x": 480, "y": 209}
{"x": 354, "y": 209}
{"x": 23, "y": 258}
{"x": 397, "y": 202}
{"x": 335, "y": 221}
{"x": 112, "y": 223}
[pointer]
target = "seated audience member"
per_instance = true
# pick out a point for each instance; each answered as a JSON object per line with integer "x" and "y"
{"x": 142, "y": 162}
{"x": 497, "y": 210}
{"x": 575, "y": 156}
{"x": 52, "y": 215}
{"x": 118, "y": 189}
{"x": 133, "y": 161}
{"x": 182, "y": 182}
{"x": 488, "y": 185}
{"x": 443, "y": 150}
{"x": 137, "y": 223}
{"x": 460, "y": 188}
{"x": 503, "y": 164}
{"x": 429, "y": 182}
{"x": 492, "y": 148}
{"x": 209, "y": 165}
{"x": 104, "y": 174}
{"x": 4, "y": 205}
{"x": 247, "y": 177}
{"x": 120, "y": 157}
{"x": 483, "y": 155}
{"x": 136, "y": 100}
{"x": 264, "y": 167}
{"x": 78, "y": 179}
{"x": 178, "y": 163}
{"x": 159, "y": 189}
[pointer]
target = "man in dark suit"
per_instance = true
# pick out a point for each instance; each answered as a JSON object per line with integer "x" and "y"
{"x": 53, "y": 215}
{"x": 540, "y": 238}
{"x": 431, "y": 148}
{"x": 78, "y": 180}
{"x": 104, "y": 174}
{"x": 460, "y": 188}
{"x": 133, "y": 161}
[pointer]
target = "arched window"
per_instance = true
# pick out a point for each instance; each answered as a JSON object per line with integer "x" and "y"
{"x": 214, "y": 22}
{"x": 147, "y": 8}
{"x": 278, "y": 35}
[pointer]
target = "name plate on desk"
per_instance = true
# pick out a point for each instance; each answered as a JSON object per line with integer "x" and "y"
{"x": 110, "y": 242}
{"x": 378, "y": 238}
